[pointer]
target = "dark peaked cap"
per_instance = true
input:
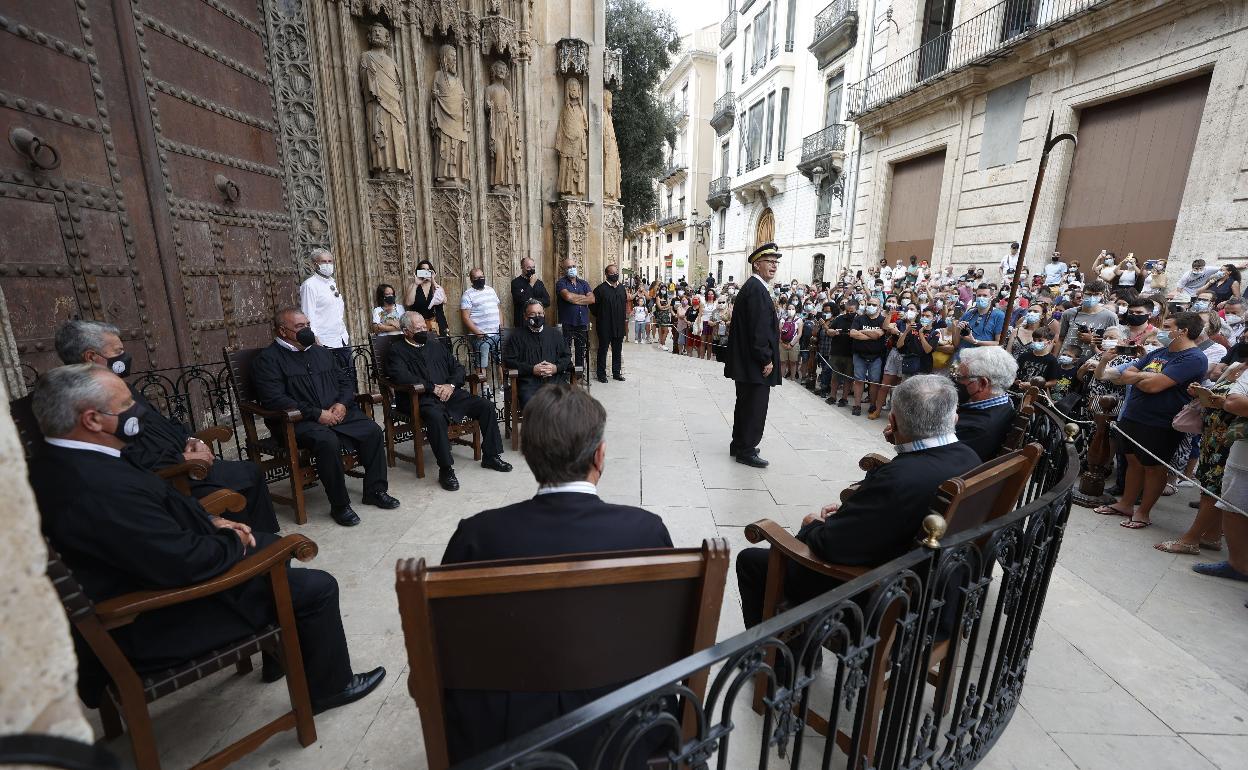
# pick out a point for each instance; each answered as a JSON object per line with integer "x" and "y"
{"x": 767, "y": 249}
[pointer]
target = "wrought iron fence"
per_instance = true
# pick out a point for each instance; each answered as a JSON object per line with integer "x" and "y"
{"x": 827, "y": 19}
{"x": 752, "y": 164}
{"x": 824, "y": 141}
{"x": 728, "y": 30}
{"x": 725, "y": 107}
{"x": 968, "y": 607}
{"x": 986, "y": 36}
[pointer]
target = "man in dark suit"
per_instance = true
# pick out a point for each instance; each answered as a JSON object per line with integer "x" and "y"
{"x": 525, "y": 288}
{"x": 985, "y": 412}
{"x": 563, "y": 445}
{"x": 609, "y": 309}
{"x": 753, "y": 355}
{"x": 882, "y": 518}
{"x": 422, "y": 360}
{"x": 122, "y": 529}
{"x": 536, "y": 351}
{"x": 163, "y": 442}
{"x": 297, "y": 373}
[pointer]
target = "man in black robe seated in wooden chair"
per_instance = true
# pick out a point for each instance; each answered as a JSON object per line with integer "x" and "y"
{"x": 163, "y": 442}
{"x": 121, "y": 529}
{"x": 423, "y": 360}
{"x": 880, "y": 521}
{"x": 297, "y": 373}
{"x": 537, "y": 352}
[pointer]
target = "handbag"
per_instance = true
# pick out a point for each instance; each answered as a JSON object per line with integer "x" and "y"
{"x": 1190, "y": 418}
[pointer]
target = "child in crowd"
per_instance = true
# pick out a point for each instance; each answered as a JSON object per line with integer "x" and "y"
{"x": 1064, "y": 373}
{"x": 1037, "y": 360}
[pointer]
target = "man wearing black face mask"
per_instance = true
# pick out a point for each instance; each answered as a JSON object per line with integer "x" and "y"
{"x": 525, "y": 287}
{"x": 539, "y": 354}
{"x": 162, "y": 442}
{"x": 609, "y": 308}
{"x": 295, "y": 373}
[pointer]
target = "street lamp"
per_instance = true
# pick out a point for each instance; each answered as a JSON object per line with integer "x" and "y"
{"x": 703, "y": 229}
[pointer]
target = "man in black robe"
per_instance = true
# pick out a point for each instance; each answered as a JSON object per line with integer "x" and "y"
{"x": 537, "y": 352}
{"x": 120, "y": 529}
{"x": 753, "y": 355}
{"x": 422, "y": 360}
{"x": 297, "y": 373}
{"x": 164, "y": 442}
{"x": 564, "y": 448}
{"x": 609, "y": 308}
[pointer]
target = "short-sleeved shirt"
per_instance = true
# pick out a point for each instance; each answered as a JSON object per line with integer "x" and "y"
{"x": 1071, "y": 321}
{"x": 482, "y": 307}
{"x": 1159, "y": 409}
{"x": 868, "y": 348}
{"x": 383, "y": 314}
{"x": 1031, "y": 366}
{"x": 570, "y": 314}
{"x": 984, "y": 326}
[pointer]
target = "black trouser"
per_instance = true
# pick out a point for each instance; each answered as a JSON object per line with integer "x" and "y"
{"x": 437, "y": 416}
{"x": 800, "y": 584}
{"x": 326, "y": 444}
{"x": 343, "y": 354}
{"x": 577, "y": 340}
{"x": 322, "y": 642}
{"x": 749, "y": 416}
{"x": 248, "y": 480}
{"x": 616, "y": 345}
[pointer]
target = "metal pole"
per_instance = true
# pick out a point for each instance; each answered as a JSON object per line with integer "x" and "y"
{"x": 1050, "y": 142}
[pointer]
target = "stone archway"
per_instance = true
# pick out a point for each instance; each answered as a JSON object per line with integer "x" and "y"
{"x": 765, "y": 230}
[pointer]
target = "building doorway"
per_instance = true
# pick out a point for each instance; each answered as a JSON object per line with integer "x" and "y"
{"x": 765, "y": 231}
{"x": 912, "y": 207}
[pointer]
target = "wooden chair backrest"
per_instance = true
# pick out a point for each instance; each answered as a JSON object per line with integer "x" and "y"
{"x": 23, "y": 413}
{"x": 563, "y": 619}
{"x": 1017, "y": 432}
{"x": 987, "y": 491}
{"x": 239, "y": 363}
{"x": 380, "y": 345}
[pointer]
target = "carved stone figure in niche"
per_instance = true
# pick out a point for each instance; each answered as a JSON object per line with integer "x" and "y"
{"x": 387, "y": 125}
{"x": 610, "y": 152}
{"x": 449, "y": 115}
{"x": 572, "y": 142}
{"x": 504, "y": 129}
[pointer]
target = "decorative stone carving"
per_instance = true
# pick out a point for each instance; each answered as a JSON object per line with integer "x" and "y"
{"x": 504, "y": 125}
{"x": 572, "y": 142}
{"x": 441, "y": 17}
{"x": 570, "y": 226}
{"x": 503, "y": 224}
{"x": 471, "y": 27}
{"x": 392, "y": 212}
{"x": 391, "y": 9}
{"x": 383, "y": 105}
{"x": 573, "y": 57}
{"x": 452, "y": 234}
{"x": 449, "y": 114}
{"x": 612, "y": 67}
{"x": 610, "y": 151}
{"x": 526, "y": 46}
{"x": 612, "y": 232}
{"x": 498, "y": 33}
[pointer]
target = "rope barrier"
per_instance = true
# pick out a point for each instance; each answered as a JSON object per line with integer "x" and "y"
{"x": 1178, "y": 473}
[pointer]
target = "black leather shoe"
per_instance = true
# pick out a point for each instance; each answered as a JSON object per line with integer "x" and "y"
{"x": 619, "y": 377}
{"x": 345, "y": 516}
{"x": 496, "y": 463}
{"x": 752, "y": 460}
{"x": 381, "y": 500}
{"x": 446, "y": 477}
{"x": 361, "y": 685}
{"x": 270, "y": 668}
{"x": 601, "y": 379}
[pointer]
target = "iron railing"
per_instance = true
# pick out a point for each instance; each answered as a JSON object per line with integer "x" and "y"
{"x": 824, "y": 141}
{"x": 752, "y": 164}
{"x": 823, "y": 225}
{"x": 724, "y": 113}
{"x": 721, "y": 240}
{"x": 978, "y": 40}
{"x": 671, "y": 219}
{"x": 828, "y": 19}
{"x": 719, "y": 190}
{"x": 675, "y": 165}
{"x": 759, "y": 63}
{"x": 728, "y": 30}
{"x": 970, "y": 604}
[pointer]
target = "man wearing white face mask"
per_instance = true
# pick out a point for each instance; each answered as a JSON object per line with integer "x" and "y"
{"x": 322, "y": 303}
{"x": 867, "y": 335}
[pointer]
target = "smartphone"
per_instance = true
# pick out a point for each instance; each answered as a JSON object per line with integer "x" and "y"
{"x": 1149, "y": 264}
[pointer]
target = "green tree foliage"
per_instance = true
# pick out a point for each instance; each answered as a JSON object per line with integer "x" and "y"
{"x": 648, "y": 39}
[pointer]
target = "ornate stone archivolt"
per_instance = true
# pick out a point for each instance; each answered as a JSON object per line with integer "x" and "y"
{"x": 441, "y": 17}
{"x": 571, "y": 230}
{"x": 573, "y": 57}
{"x": 392, "y": 214}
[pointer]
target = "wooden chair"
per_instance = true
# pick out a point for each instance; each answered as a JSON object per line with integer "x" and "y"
{"x": 515, "y": 415}
{"x": 401, "y": 426}
{"x": 180, "y": 475}
{"x": 964, "y": 502}
{"x": 279, "y": 449}
{"x": 129, "y": 691}
{"x": 561, "y": 618}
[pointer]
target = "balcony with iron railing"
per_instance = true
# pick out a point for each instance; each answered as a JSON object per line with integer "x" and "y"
{"x": 723, "y": 114}
{"x": 980, "y": 40}
{"x": 719, "y": 194}
{"x": 836, "y": 28}
{"x": 823, "y": 151}
{"x": 676, "y": 170}
{"x": 759, "y": 63}
{"x": 728, "y": 30}
{"x": 672, "y": 218}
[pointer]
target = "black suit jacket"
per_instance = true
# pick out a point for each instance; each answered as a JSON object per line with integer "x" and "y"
{"x": 546, "y": 525}
{"x": 984, "y": 430}
{"x": 753, "y": 336}
{"x": 429, "y": 365}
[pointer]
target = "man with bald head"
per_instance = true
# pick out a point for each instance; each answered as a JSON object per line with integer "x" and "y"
{"x": 296, "y": 372}
{"x": 526, "y": 288}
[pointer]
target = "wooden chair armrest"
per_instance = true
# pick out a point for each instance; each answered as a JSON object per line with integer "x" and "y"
{"x": 849, "y": 492}
{"x": 289, "y": 415}
{"x": 215, "y": 434}
{"x": 872, "y": 461}
{"x": 121, "y": 610}
{"x": 366, "y": 400}
{"x": 478, "y": 378}
{"x": 796, "y": 550}
{"x": 223, "y": 500}
{"x": 404, "y": 387}
{"x": 513, "y": 374}
{"x": 193, "y": 469}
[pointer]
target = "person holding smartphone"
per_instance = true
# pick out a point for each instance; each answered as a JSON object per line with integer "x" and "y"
{"x": 426, "y": 297}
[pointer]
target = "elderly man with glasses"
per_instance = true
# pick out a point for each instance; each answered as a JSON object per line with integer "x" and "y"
{"x": 752, "y": 358}
{"x": 985, "y": 412}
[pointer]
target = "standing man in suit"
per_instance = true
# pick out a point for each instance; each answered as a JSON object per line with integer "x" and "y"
{"x": 753, "y": 357}
{"x": 610, "y": 308}
{"x": 526, "y": 287}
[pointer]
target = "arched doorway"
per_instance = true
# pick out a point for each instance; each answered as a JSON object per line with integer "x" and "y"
{"x": 765, "y": 231}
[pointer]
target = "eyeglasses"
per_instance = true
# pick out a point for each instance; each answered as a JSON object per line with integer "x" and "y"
{"x": 769, "y": 261}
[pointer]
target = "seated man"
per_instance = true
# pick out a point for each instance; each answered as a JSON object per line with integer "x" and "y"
{"x": 985, "y": 412}
{"x": 881, "y": 520}
{"x": 537, "y": 351}
{"x": 297, "y": 373}
{"x": 423, "y": 360}
{"x": 163, "y": 442}
{"x": 564, "y": 448}
{"x": 121, "y": 529}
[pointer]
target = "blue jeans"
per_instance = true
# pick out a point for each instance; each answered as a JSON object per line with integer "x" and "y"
{"x": 486, "y": 348}
{"x": 868, "y": 371}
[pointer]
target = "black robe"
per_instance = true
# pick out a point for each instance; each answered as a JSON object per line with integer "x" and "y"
{"x": 308, "y": 381}
{"x": 753, "y": 336}
{"x": 521, "y": 293}
{"x": 430, "y": 365}
{"x": 525, "y": 349}
{"x": 609, "y": 309}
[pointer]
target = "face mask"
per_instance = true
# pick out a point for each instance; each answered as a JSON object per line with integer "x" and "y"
{"x": 926, "y": 320}
{"x": 964, "y": 395}
{"x": 1135, "y": 319}
{"x": 1122, "y": 310}
{"x": 1032, "y": 318}
{"x": 420, "y": 337}
{"x": 478, "y": 283}
{"x": 530, "y": 273}
{"x": 325, "y": 268}
{"x": 424, "y": 274}
{"x": 387, "y": 300}
{"x": 1164, "y": 338}
{"x": 1200, "y": 306}
{"x": 680, "y": 293}
{"x": 909, "y": 314}
{"x": 612, "y": 277}
{"x": 827, "y": 316}
{"x": 1109, "y": 344}
{"x": 790, "y": 313}
{"x": 128, "y": 424}
{"x": 571, "y": 272}
{"x": 535, "y": 322}
{"x": 1056, "y": 258}
{"x": 873, "y": 310}
{"x": 1087, "y": 302}
{"x": 1233, "y": 320}
{"x": 922, "y": 297}
{"x": 306, "y": 337}
{"x": 1038, "y": 346}
{"x": 808, "y": 308}
{"x": 858, "y": 297}
{"x": 120, "y": 364}
{"x": 982, "y": 302}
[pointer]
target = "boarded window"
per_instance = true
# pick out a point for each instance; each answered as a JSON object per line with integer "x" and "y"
{"x": 1003, "y": 124}
{"x": 1129, "y": 171}
{"x": 912, "y": 207}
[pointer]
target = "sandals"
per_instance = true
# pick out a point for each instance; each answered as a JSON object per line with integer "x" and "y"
{"x": 1134, "y": 524}
{"x": 1222, "y": 569}
{"x": 1211, "y": 545}
{"x": 1178, "y": 546}
{"x": 1169, "y": 490}
{"x": 1109, "y": 510}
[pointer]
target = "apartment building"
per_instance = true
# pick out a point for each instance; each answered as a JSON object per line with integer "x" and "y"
{"x": 673, "y": 242}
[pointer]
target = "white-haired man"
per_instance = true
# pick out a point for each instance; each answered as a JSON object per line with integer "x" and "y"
{"x": 881, "y": 520}
{"x": 321, "y": 301}
{"x": 985, "y": 412}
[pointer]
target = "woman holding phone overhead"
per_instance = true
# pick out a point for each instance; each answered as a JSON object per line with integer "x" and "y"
{"x": 426, "y": 297}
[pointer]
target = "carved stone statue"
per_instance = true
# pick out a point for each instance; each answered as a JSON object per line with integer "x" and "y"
{"x": 504, "y": 129}
{"x": 572, "y": 142}
{"x": 383, "y": 105}
{"x": 449, "y": 113}
{"x": 610, "y": 151}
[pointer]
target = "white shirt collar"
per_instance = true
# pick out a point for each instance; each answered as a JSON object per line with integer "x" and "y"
{"x": 578, "y": 487}
{"x": 760, "y": 280}
{"x": 286, "y": 344}
{"x": 69, "y": 443}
